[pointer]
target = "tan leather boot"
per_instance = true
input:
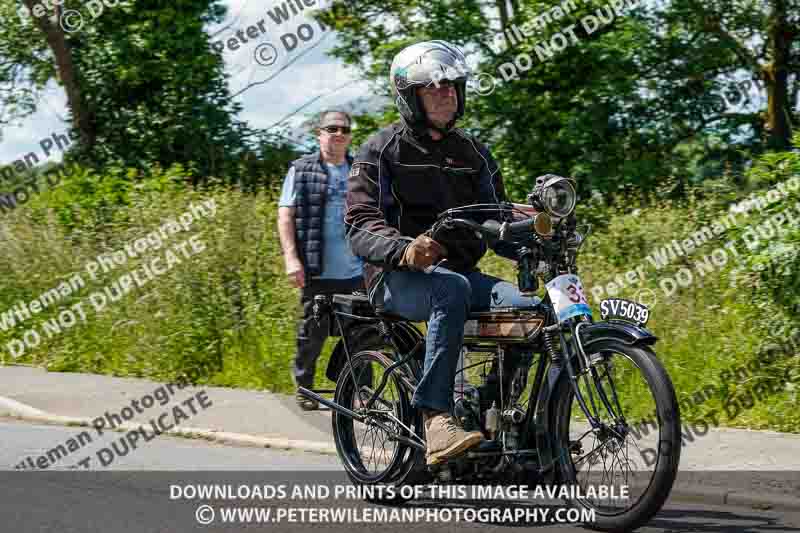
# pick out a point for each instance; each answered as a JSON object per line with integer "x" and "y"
{"x": 445, "y": 438}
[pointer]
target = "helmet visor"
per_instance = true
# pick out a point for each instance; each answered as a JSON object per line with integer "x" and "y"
{"x": 431, "y": 66}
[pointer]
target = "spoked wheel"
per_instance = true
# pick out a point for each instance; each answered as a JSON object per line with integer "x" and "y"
{"x": 637, "y": 446}
{"x": 370, "y": 451}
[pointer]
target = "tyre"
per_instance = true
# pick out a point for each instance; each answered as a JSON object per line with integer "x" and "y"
{"x": 639, "y": 446}
{"x": 369, "y": 454}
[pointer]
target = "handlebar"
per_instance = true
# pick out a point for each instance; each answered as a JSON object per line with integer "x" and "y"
{"x": 527, "y": 258}
{"x": 505, "y": 231}
{"x": 530, "y": 242}
{"x": 490, "y": 228}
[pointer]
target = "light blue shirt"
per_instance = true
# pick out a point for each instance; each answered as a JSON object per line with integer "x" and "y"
{"x": 338, "y": 262}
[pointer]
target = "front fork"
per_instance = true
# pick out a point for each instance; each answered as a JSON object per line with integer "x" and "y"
{"x": 584, "y": 370}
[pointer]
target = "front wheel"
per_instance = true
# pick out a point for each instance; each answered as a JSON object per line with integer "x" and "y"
{"x": 637, "y": 446}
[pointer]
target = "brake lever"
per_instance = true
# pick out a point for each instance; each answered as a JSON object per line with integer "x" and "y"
{"x": 437, "y": 226}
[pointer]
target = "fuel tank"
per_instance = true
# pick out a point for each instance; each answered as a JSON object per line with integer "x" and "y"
{"x": 504, "y": 325}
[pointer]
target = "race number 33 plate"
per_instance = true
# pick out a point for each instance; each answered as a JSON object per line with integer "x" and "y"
{"x": 566, "y": 293}
{"x": 624, "y": 310}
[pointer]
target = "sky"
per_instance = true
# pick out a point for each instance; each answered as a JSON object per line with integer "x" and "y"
{"x": 256, "y": 60}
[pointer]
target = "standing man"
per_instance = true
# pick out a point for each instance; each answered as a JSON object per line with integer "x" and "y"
{"x": 310, "y": 223}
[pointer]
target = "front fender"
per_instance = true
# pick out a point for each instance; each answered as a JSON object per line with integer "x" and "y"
{"x": 617, "y": 330}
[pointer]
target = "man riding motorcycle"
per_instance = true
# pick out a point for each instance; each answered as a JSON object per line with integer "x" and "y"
{"x": 402, "y": 178}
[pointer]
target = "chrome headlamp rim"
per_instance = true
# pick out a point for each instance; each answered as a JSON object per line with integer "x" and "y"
{"x": 572, "y": 191}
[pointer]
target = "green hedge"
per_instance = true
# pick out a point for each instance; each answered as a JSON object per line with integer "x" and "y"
{"x": 227, "y": 314}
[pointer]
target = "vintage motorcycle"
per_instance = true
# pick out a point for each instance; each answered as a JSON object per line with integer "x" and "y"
{"x": 574, "y": 427}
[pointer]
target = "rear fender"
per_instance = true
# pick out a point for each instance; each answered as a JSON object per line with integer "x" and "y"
{"x": 368, "y": 337}
{"x": 354, "y": 339}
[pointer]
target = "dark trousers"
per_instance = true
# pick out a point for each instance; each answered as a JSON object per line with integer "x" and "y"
{"x": 310, "y": 335}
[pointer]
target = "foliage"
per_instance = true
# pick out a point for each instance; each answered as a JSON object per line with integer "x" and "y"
{"x": 224, "y": 315}
{"x": 227, "y": 314}
{"x": 631, "y": 104}
{"x": 25, "y": 68}
{"x": 156, "y": 92}
{"x": 632, "y": 111}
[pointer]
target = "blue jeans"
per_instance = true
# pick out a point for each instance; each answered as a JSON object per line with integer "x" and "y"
{"x": 444, "y": 298}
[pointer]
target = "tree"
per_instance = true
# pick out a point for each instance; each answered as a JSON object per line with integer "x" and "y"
{"x": 25, "y": 63}
{"x": 617, "y": 105}
{"x": 62, "y": 52}
{"x": 143, "y": 85}
{"x": 727, "y": 40}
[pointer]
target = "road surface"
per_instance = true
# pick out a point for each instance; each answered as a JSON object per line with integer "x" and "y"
{"x": 144, "y": 491}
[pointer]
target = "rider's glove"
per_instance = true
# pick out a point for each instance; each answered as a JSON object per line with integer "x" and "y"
{"x": 422, "y": 252}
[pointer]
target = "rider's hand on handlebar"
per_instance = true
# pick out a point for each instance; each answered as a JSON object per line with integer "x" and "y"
{"x": 422, "y": 253}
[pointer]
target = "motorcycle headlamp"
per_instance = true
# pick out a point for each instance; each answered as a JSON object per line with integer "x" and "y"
{"x": 555, "y": 195}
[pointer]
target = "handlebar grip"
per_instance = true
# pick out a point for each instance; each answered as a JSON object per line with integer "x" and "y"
{"x": 521, "y": 226}
{"x": 494, "y": 229}
{"x": 510, "y": 229}
{"x": 492, "y": 226}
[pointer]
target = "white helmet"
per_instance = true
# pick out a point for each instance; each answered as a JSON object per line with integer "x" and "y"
{"x": 421, "y": 65}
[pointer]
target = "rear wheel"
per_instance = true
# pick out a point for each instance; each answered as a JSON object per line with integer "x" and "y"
{"x": 638, "y": 445}
{"x": 370, "y": 451}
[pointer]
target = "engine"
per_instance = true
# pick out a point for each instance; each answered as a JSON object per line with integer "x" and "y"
{"x": 489, "y": 401}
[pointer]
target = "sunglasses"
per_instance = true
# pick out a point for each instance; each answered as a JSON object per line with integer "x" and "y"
{"x": 344, "y": 130}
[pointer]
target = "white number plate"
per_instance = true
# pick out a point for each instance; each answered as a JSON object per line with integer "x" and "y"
{"x": 566, "y": 293}
{"x": 625, "y": 310}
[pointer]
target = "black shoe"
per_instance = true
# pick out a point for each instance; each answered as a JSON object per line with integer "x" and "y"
{"x": 306, "y": 404}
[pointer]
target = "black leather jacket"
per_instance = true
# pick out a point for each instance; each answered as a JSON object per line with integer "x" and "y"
{"x": 398, "y": 185}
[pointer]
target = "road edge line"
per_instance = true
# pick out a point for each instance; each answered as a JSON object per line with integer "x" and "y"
{"x": 21, "y": 411}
